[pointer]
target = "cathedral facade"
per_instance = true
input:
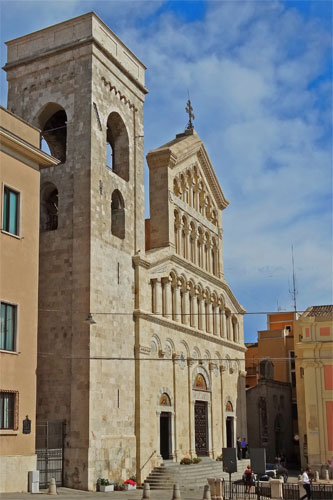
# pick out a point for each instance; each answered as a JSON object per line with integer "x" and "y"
{"x": 157, "y": 371}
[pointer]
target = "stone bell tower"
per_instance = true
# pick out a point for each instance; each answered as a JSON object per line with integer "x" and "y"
{"x": 85, "y": 90}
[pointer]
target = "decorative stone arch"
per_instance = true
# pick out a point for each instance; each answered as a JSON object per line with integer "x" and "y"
{"x": 174, "y": 277}
{"x": 228, "y": 364}
{"x": 117, "y": 214}
{"x": 214, "y": 217}
{"x": 201, "y": 370}
{"x": 196, "y": 354}
{"x": 168, "y": 393}
{"x": 169, "y": 348}
{"x": 155, "y": 344}
{"x": 187, "y": 349}
{"x": 176, "y": 188}
{"x": 117, "y": 144}
{"x": 207, "y": 356}
{"x": 222, "y": 301}
{"x": 52, "y": 120}
{"x": 49, "y": 207}
{"x": 218, "y": 358}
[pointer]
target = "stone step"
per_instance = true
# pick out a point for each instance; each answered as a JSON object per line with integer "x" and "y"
{"x": 190, "y": 476}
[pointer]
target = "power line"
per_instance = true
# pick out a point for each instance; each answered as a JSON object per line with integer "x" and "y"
{"x": 172, "y": 314}
{"x": 200, "y": 360}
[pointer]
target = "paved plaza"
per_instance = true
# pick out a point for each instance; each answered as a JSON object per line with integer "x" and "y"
{"x": 69, "y": 494}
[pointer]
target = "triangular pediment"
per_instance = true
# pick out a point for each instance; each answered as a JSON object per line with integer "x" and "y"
{"x": 179, "y": 151}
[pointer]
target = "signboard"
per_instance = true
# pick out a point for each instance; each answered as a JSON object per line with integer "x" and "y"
{"x": 258, "y": 460}
{"x": 229, "y": 457}
{"x": 26, "y": 425}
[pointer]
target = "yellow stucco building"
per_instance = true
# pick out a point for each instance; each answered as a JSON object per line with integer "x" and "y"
{"x": 314, "y": 377}
{"x": 20, "y": 162}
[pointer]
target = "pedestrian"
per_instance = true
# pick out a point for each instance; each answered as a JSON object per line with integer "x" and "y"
{"x": 239, "y": 448}
{"x": 248, "y": 478}
{"x": 244, "y": 447}
{"x": 306, "y": 484}
{"x": 330, "y": 468}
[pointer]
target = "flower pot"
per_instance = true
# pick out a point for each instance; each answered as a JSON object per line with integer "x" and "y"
{"x": 130, "y": 487}
{"x": 104, "y": 489}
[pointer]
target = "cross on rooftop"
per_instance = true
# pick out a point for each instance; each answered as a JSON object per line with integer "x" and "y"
{"x": 189, "y": 111}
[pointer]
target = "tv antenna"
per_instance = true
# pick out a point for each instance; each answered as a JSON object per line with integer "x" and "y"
{"x": 293, "y": 292}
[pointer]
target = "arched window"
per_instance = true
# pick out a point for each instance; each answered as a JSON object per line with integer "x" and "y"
{"x": 49, "y": 208}
{"x": 200, "y": 382}
{"x": 53, "y": 124}
{"x": 117, "y": 215}
{"x": 234, "y": 330}
{"x": 165, "y": 400}
{"x": 176, "y": 231}
{"x": 117, "y": 146}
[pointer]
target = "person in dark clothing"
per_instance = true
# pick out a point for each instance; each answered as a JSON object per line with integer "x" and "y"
{"x": 244, "y": 447}
{"x": 248, "y": 478}
{"x": 239, "y": 448}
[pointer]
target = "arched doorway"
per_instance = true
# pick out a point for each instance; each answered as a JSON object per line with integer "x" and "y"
{"x": 230, "y": 425}
{"x": 201, "y": 418}
{"x": 165, "y": 427}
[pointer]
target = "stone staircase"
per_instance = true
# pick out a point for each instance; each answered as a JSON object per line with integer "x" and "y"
{"x": 190, "y": 476}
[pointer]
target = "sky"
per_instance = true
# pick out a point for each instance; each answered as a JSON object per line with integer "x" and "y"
{"x": 259, "y": 75}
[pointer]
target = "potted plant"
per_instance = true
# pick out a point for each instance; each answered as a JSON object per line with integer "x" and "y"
{"x": 186, "y": 461}
{"x": 119, "y": 486}
{"x": 104, "y": 485}
{"x": 130, "y": 484}
{"x": 196, "y": 460}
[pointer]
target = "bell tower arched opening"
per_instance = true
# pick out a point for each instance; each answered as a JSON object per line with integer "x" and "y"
{"x": 53, "y": 123}
{"x": 117, "y": 146}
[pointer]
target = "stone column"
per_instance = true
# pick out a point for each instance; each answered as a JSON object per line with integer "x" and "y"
{"x": 172, "y": 454}
{"x": 175, "y": 358}
{"x": 167, "y": 310}
{"x": 186, "y": 317}
{"x": 196, "y": 198}
{"x": 215, "y": 318}
{"x": 218, "y": 321}
{"x": 193, "y": 242}
{"x": 158, "y": 296}
{"x": 237, "y": 331}
{"x": 222, "y": 408}
{"x": 201, "y": 316}
{"x": 224, "y": 324}
{"x": 211, "y": 434}
{"x": 176, "y": 304}
{"x": 187, "y": 249}
{"x": 191, "y": 428}
{"x": 194, "y": 315}
{"x": 209, "y": 264}
{"x": 229, "y": 327}
{"x": 158, "y": 442}
{"x": 209, "y": 315}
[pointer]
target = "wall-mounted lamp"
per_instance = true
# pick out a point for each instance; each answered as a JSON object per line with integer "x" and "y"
{"x": 90, "y": 320}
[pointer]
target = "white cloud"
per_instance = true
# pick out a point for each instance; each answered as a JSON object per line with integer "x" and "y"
{"x": 250, "y": 68}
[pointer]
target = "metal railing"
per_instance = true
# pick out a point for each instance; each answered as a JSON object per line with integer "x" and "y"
{"x": 151, "y": 456}
{"x": 318, "y": 491}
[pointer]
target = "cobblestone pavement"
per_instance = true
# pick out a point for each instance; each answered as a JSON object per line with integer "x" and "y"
{"x": 68, "y": 494}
